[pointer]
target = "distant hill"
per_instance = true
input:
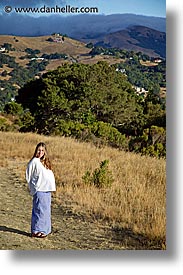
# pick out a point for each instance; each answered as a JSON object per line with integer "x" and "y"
{"x": 128, "y": 31}
{"x": 77, "y": 26}
{"x": 135, "y": 38}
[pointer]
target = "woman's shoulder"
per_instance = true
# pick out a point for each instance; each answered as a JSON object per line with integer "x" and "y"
{"x": 34, "y": 160}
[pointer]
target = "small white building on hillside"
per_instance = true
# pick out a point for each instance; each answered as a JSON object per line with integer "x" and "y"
{"x": 2, "y": 49}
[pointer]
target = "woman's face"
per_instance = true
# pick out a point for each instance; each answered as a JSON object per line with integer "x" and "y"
{"x": 40, "y": 152}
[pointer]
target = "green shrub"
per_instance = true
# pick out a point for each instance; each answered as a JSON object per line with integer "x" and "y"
{"x": 13, "y": 108}
{"x": 152, "y": 142}
{"x": 3, "y": 124}
{"x": 27, "y": 122}
{"x": 68, "y": 128}
{"x": 109, "y": 135}
{"x": 101, "y": 177}
{"x": 100, "y": 133}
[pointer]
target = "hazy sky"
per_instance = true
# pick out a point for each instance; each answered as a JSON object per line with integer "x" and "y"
{"x": 143, "y": 7}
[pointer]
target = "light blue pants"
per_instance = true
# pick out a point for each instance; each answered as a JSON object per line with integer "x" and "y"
{"x": 41, "y": 213}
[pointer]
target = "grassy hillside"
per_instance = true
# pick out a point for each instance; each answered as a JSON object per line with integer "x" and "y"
{"x": 136, "y": 200}
{"x": 76, "y": 50}
{"x": 20, "y": 43}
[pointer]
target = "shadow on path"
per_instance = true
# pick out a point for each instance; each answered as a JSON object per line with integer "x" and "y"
{"x": 13, "y": 230}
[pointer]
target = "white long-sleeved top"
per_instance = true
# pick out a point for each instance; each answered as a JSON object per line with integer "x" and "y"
{"x": 39, "y": 178}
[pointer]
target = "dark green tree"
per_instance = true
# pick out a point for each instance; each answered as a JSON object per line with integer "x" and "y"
{"x": 72, "y": 90}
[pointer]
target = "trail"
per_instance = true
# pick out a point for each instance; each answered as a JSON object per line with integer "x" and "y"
{"x": 69, "y": 230}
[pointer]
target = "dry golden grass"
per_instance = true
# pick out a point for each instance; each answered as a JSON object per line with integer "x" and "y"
{"x": 75, "y": 49}
{"x": 70, "y": 46}
{"x": 5, "y": 68}
{"x": 148, "y": 63}
{"x": 137, "y": 198}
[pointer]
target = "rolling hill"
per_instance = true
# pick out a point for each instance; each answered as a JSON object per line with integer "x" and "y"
{"x": 135, "y": 38}
{"x": 74, "y": 49}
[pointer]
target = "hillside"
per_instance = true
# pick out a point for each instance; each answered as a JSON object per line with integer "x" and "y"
{"x": 20, "y": 43}
{"x": 131, "y": 214}
{"x": 74, "y": 49}
{"x": 120, "y": 108}
{"x": 135, "y": 38}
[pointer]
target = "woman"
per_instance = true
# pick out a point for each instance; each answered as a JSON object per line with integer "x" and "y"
{"x": 41, "y": 182}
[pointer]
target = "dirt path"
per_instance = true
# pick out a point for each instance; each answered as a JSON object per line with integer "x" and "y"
{"x": 69, "y": 230}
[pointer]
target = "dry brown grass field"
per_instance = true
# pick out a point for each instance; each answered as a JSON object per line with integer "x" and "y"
{"x": 20, "y": 43}
{"x": 136, "y": 200}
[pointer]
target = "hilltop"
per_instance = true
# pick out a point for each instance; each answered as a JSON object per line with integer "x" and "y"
{"x": 20, "y": 43}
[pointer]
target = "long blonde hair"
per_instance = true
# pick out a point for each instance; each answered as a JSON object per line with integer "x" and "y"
{"x": 44, "y": 159}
